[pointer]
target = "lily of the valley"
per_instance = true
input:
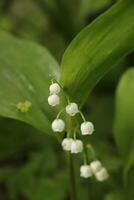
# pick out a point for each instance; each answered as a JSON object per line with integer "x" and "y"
{"x": 85, "y": 171}
{"x": 72, "y": 109}
{"x": 77, "y": 146}
{"x": 53, "y": 100}
{"x": 87, "y": 128}
{"x": 58, "y": 125}
{"x": 67, "y": 143}
{"x": 95, "y": 166}
{"x": 54, "y": 88}
{"x": 102, "y": 174}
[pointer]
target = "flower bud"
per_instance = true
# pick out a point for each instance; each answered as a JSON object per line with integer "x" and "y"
{"x": 85, "y": 171}
{"x": 72, "y": 109}
{"x": 58, "y": 125}
{"x": 102, "y": 175}
{"x": 77, "y": 146}
{"x": 53, "y": 100}
{"x": 54, "y": 88}
{"x": 95, "y": 166}
{"x": 66, "y": 144}
{"x": 87, "y": 128}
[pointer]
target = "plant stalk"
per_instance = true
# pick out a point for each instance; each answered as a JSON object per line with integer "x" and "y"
{"x": 73, "y": 192}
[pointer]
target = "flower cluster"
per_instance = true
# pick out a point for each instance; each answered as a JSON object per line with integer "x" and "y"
{"x": 94, "y": 168}
{"x": 71, "y": 143}
{"x": 24, "y": 106}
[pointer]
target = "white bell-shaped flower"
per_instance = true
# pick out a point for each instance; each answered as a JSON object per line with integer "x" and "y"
{"x": 87, "y": 128}
{"x": 58, "y": 125}
{"x": 67, "y": 143}
{"x": 85, "y": 171}
{"x": 77, "y": 146}
{"x": 72, "y": 109}
{"x": 54, "y": 88}
{"x": 95, "y": 166}
{"x": 53, "y": 100}
{"x": 102, "y": 174}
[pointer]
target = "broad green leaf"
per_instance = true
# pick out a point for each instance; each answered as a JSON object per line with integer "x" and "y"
{"x": 124, "y": 114}
{"x": 97, "y": 49}
{"x": 25, "y": 70}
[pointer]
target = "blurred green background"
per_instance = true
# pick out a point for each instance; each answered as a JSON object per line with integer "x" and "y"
{"x": 32, "y": 164}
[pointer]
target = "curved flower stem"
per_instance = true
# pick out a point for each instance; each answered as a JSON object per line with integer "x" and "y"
{"x": 82, "y": 116}
{"x": 73, "y": 191}
{"x": 58, "y": 115}
{"x": 89, "y": 146}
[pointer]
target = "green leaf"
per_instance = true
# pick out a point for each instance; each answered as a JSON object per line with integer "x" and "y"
{"x": 25, "y": 70}
{"x": 124, "y": 127}
{"x": 97, "y": 49}
{"x": 34, "y": 185}
{"x": 129, "y": 182}
{"x": 116, "y": 195}
{"x": 17, "y": 137}
{"x": 22, "y": 177}
{"x": 128, "y": 172}
{"x": 124, "y": 114}
{"x": 52, "y": 189}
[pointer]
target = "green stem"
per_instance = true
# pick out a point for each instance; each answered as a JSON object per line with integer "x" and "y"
{"x": 89, "y": 146}
{"x": 85, "y": 155}
{"x": 66, "y": 96}
{"x": 75, "y": 131}
{"x": 58, "y": 115}
{"x": 82, "y": 116}
{"x": 73, "y": 193}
